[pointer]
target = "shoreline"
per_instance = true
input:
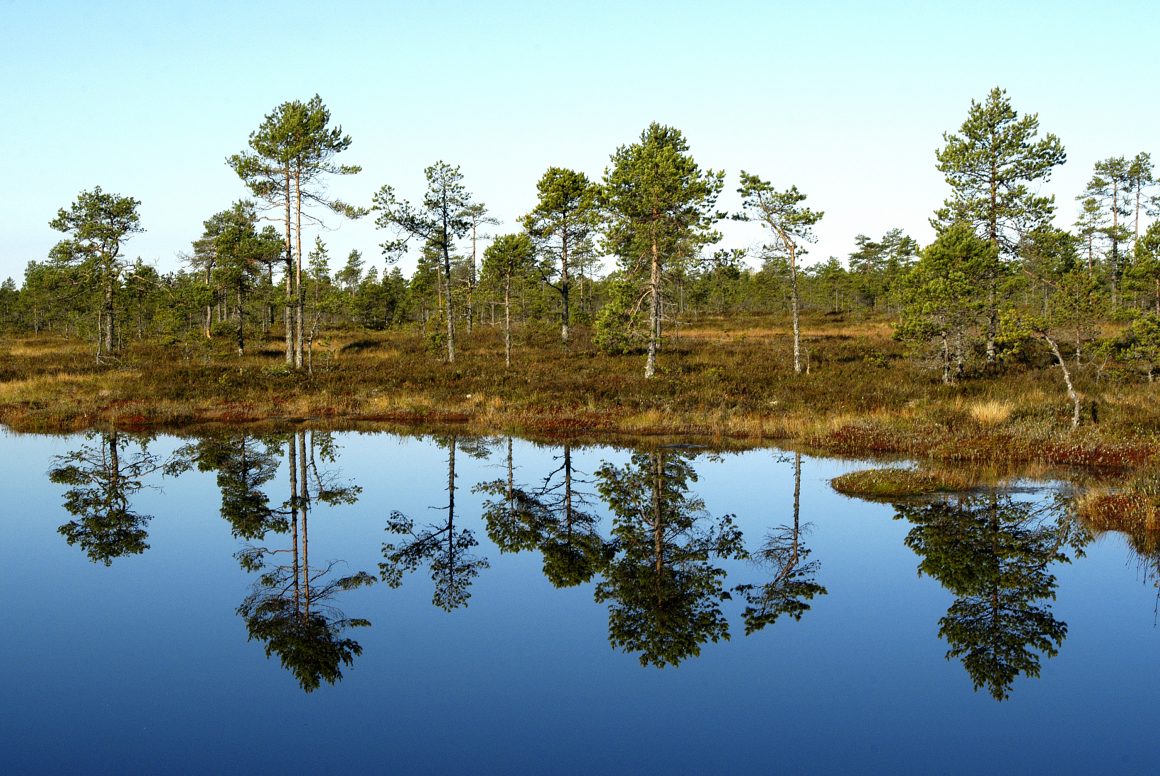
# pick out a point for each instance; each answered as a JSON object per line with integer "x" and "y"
{"x": 729, "y": 388}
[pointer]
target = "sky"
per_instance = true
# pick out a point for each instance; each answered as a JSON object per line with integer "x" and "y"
{"x": 846, "y": 100}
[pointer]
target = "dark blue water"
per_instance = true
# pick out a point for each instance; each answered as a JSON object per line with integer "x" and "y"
{"x": 574, "y": 651}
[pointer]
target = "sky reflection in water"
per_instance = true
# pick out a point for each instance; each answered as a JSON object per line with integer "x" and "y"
{"x": 585, "y": 609}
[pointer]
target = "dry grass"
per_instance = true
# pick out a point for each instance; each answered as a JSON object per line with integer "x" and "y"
{"x": 872, "y": 330}
{"x": 992, "y": 412}
{"x": 22, "y": 349}
{"x": 862, "y": 395}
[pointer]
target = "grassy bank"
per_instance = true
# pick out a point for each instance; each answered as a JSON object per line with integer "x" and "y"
{"x": 726, "y": 380}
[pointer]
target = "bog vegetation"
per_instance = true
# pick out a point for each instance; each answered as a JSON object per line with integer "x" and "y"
{"x": 615, "y": 308}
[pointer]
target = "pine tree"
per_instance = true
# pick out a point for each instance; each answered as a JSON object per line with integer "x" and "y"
{"x": 560, "y": 225}
{"x": 990, "y": 166}
{"x": 98, "y": 224}
{"x": 660, "y": 207}
{"x": 940, "y": 299}
{"x": 443, "y": 217}
{"x": 290, "y": 152}
{"x": 1108, "y": 189}
{"x": 791, "y": 225}
{"x": 507, "y": 261}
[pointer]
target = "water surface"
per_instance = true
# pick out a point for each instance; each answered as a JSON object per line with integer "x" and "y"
{"x": 368, "y": 601}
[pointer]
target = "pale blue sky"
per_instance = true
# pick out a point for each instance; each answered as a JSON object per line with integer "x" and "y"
{"x": 846, "y": 100}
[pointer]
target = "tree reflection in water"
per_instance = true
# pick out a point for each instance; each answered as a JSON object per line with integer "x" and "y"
{"x": 103, "y": 475}
{"x": 244, "y": 465}
{"x": 660, "y": 571}
{"x": 663, "y": 586}
{"x": 553, "y": 519}
{"x": 793, "y": 582}
{"x": 994, "y": 552}
{"x": 445, "y": 549}
{"x": 290, "y": 606}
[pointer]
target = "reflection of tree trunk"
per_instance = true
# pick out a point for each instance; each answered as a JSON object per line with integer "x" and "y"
{"x": 303, "y": 506}
{"x": 451, "y": 512}
{"x": 797, "y": 500}
{"x": 511, "y": 488}
{"x": 658, "y": 534}
{"x": 293, "y": 465}
{"x": 114, "y": 467}
{"x": 568, "y": 486}
{"x": 997, "y": 574}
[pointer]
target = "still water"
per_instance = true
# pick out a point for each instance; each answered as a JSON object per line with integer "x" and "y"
{"x": 370, "y": 602}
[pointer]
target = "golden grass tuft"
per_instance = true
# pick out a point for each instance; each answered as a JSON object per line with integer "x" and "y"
{"x": 992, "y": 412}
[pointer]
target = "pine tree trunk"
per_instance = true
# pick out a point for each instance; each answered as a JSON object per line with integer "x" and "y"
{"x": 299, "y": 295}
{"x": 241, "y": 325}
{"x": 564, "y": 287}
{"x": 110, "y": 342}
{"x": 797, "y": 331}
{"x": 992, "y": 322}
{"x": 288, "y": 308}
{"x": 447, "y": 283}
{"x": 946, "y": 354}
{"x": 960, "y": 355}
{"x": 507, "y": 322}
{"x": 450, "y": 323}
{"x": 654, "y": 286}
{"x": 208, "y": 309}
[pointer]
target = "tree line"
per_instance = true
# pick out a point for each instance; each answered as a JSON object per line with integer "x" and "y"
{"x": 998, "y": 277}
